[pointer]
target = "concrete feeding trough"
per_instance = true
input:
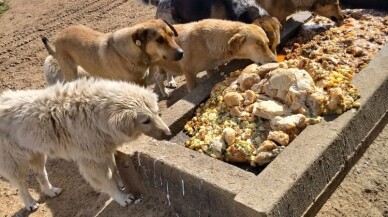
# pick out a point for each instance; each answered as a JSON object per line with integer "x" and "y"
{"x": 296, "y": 183}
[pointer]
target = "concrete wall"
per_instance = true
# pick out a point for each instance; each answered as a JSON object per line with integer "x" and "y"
{"x": 294, "y": 184}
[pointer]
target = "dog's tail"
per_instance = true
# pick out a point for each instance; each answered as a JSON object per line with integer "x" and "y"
{"x": 48, "y": 46}
{"x": 52, "y": 71}
{"x": 151, "y": 2}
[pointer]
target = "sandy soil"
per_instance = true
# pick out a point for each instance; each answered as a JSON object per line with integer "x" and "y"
{"x": 21, "y": 66}
{"x": 364, "y": 191}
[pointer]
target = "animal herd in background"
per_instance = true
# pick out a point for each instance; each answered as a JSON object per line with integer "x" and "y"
{"x": 264, "y": 13}
{"x": 85, "y": 120}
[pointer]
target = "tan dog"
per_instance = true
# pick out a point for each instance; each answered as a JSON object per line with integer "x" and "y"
{"x": 284, "y": 8}
{"x": 272, "y": 27}
{"x": 210, "y": 43}
{"x": 122, "y": 55}
{"x": 84, "y": 121}
{"x": 246, "y": 11}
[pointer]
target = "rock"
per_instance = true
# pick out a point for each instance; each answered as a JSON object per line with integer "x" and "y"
{"x": 252, "y": 68}
{"x": 266, "y": 146}
{"x": 293, "y": 87}
{"x": 257, "y": 88}
{"x": 269, "y": 109}
{"x": 299, "y": 90}
{"x": 289, "y": 123}
{"x": 279, "y": 82}
{"x": 235, "y": 155}
{"x": 347, "y": 102}
{"x": 315, "y": 102}
{"x": 229, "y": 136}
{"x": 249, "y": 108}
{"x": 263, "y": 97}
{"x": 249, "y": 97}
{"x": 235, "y": 111}
{"x": 232, "y": 99}
{"x": 264, "y": 69}
{"x": 279, "y": 137}
{"x": 304, "y": 82}
{"x": 217, "y": 145}
{"x": 232, "y": 88}
{"x": 260, "y": 70}
{"x": 263, "y": 158}
{"x": 247, "y": 80}
{"x": 335, "y": 99}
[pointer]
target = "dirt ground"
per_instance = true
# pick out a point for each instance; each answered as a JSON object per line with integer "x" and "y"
{"x": 364, "y": 191}
{"x": 21, "y": 67}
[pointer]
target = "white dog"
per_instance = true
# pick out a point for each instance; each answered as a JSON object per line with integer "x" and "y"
{"x": 53, "y": 74}
{"x": 84, "y": 121}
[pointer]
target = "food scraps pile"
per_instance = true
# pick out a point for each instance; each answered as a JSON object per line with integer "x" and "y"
{"x": 256, "y": 112}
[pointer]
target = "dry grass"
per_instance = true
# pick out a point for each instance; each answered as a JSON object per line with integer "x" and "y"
{"x": 3, "y": 7}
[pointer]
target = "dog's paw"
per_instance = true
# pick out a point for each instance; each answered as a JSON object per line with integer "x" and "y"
{"x": 127, "y": 199}
{"x": 172, "y": 84}
{"x": 32, "y": 206}
{"x": 53, "y": 192}
{"x": 166, "y": 93}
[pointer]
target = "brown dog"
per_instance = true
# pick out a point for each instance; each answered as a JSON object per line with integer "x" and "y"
{"x": 122, "y": 55}
{"x": 210, "y": 43}
{"x": 284, "y": 8}
{"x": 247, "y": 11}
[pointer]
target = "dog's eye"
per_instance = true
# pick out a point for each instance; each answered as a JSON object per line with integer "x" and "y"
{"x": 147, "y": 121}
{"x": 160, "y": 40}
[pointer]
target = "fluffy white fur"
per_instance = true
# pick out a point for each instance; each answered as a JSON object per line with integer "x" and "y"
{"x": 84, "y": 121}
{"x": 53, "y": 74}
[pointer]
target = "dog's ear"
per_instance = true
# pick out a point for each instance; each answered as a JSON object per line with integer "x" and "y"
{"x": 171, "y": 27}
{"x": 123, "y": 121}
{"x": 271, "y": 27}
{"x": 140, "y": 37}
{"x": 235, "y": 42}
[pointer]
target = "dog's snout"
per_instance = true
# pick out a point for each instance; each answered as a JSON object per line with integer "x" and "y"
{"x": 179, "y": 54}
{"x": 167, "y": 132}
{"x": 273, "y": 59}
{"x": 163, "y": 134}
{"x": 340, "y": 20}
{"x": 333, "y": 18}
